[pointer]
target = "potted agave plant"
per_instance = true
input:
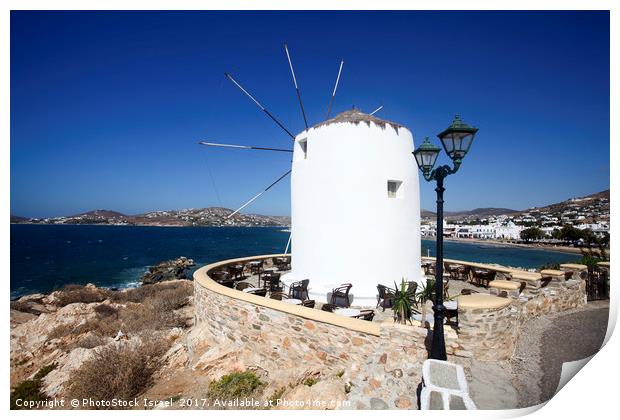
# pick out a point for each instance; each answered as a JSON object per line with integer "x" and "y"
{"x": 401, "y": 305}
{"x": 423, "y": 296}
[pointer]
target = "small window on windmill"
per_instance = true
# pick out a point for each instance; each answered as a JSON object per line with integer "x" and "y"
{"x": 393, "y": 188}
{"x": 303, "y": 145}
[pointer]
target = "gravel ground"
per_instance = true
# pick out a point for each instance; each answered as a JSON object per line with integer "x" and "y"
{"x": 547, "y": 342}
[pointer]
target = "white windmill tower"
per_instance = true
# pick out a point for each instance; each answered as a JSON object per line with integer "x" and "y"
{"x": 355, "y": 202}
{"x": 355, "y": 206}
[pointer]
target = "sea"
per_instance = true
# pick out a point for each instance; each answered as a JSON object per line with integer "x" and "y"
{"x": 47, "y": 257}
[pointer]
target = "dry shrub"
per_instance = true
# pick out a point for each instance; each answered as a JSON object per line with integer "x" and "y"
{"x": 20, "y": 306}
{"x": 72, "y": 293}
{"x": 142, "y": 293}
{"x": 151, "y": 309}
{"x": 105, "y": 311}
{"x": 90, "y": 341}
{"x": 60, "y": 331}
{"x": 121, "y": 371}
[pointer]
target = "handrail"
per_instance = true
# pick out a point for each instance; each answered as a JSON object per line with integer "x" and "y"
{"x": 201, "y": 277}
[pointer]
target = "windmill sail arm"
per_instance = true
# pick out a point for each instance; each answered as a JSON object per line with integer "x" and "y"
{"x": 251, "y": 200}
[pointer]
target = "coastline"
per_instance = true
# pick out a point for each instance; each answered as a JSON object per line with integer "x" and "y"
{"x": 500, "y": 244}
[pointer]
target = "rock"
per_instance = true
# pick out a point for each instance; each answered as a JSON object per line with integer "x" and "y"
{"x": 169, "y": 270}
{"x": 36, "y": 297}
{"x": 18, "y": 317}
{"x": 378, "y": 404}
{"x": 54, "y": 382}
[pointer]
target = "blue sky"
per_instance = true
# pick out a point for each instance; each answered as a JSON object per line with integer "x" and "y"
{"x": 107, "y": 107}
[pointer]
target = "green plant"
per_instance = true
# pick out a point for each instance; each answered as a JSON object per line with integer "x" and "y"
{"x": 275, "y": 396}
{"x": 424, "y": 295}
{"x": 234, "y": 385}
{"x": 310, "y": 381}
{"x": 30, "y": 390}
{"x": 401, "y": 306}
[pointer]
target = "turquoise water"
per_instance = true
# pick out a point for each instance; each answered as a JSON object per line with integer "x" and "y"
{"x": 44, "y": 258}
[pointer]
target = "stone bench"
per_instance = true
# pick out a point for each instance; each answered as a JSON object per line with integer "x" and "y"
{"x": 482, "y": 301}
{"x": 575, "y": 271}
{"x": 444, "y": 387}
{"x": 512, "y": 288}
{"x": 555, "y": 275}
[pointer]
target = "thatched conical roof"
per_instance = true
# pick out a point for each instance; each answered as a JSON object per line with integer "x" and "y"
{"x": 355, "y": 116}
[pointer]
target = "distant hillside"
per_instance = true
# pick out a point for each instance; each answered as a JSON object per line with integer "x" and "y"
{"x": 18, "y": 219}
{"x": 595, "y": 204}
{"x": 211, "y": 216}
{"x": 480, "y": 212}
{"x": 599, "y": 201}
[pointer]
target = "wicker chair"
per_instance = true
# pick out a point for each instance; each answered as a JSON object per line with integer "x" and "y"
{"x": 283, "y": 263}
{"x": 465, "y": 292}
{"x": 340, "y": 295}
{"x": 235, "y": 270}
{"x": 385, "y": 298}
{"x": 242, "y": 285}
{"x": 259, "y": 292}
{"x": 220, "y": 275}
{"x": 457, "y": 271}
{"x": 279, "y": 296}
{"x": 299, "y": 290}
{"x": 366, "y": 315}
{"x": 275, "y": 285}
{"x": 481, "y": 277}
{"x": 308, "y": 303}
{"x": 257, "y": 268}
{"x": 328, "y": 307}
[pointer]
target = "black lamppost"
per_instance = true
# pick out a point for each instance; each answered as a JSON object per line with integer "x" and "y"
{"x": 456, "y": 140}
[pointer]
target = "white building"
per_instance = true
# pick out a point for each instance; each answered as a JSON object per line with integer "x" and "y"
{"x": 508, "y": 231}
{"x": 355, "y": 207}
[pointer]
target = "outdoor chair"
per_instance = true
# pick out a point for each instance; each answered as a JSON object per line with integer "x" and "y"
{"x": 385, "y": 298}
{"x": 328, "y": 307}
{"x": 481, "y": 277}
{"x": 279, "y": 296}
{"x": 366, "y": 315}
{"x": 431, "y": 269}
{"x": 220, "y": 275}
{"x": 457, "y": 271}
{"x": 259, "y": 292}
{"x": 256, "y": 268}
{"x": 242, "y": 285}
{"x": 235, "y": 270}
{"x": 283, "y": 263}
{"x": 308, "y": 303}
{"x": 340, "y": 295}
{"x": 465, "y": 292}
{"x": 299, "y": 290}
{"x": 275, "y": 285}
{"x": 271, "y": 278}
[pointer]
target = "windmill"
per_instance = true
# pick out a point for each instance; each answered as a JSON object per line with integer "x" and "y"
{"x": 355, "y": 210}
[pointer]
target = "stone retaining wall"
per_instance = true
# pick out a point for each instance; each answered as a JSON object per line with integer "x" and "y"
{"x": 381, "y": 361}
{"x": 487, "y": 334}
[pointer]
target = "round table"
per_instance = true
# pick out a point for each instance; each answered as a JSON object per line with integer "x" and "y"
{"x": 451, "y": 305}
{"x": 430, "y": 319}
{"x": 350, "y": 312}
{"x": 292, "y": 301}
